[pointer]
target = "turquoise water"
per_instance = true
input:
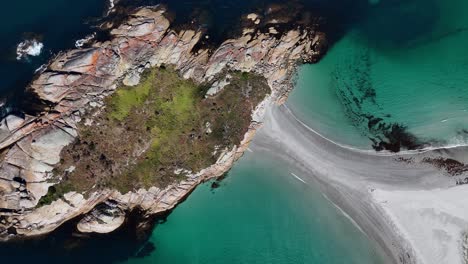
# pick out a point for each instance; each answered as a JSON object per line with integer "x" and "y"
{"x": 404, "y": 62}
{"x": 260, "y": 214}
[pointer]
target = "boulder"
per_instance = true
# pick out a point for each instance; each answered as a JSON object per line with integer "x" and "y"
{"x": 77, "y": 81}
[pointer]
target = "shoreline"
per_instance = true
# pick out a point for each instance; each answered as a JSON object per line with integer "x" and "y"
{"x": 430, "y": 148}
{"x": 364, "y": 186}
{"x": 367, "y": 186}
{"x": 77, "y": 81}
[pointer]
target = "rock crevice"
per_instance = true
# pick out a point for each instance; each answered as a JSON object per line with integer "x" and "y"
{"x": 78, "y": 80}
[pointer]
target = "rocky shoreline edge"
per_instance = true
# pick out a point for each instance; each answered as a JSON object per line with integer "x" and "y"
{"x": 81, "y": 79}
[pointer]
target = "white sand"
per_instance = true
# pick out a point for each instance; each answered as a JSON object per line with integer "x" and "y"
{"x": 412, "y": 210}
{"x": 433, "y": 221}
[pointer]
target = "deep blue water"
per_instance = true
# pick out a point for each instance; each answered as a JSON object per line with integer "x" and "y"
{"x": 59, "y": 23}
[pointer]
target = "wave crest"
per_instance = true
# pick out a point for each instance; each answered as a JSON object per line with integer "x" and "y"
{"x": 29, "y": 47}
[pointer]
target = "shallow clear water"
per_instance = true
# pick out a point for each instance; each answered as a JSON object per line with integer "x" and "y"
{"x": 404, "y": 62}
{"x": 260, "y": 214}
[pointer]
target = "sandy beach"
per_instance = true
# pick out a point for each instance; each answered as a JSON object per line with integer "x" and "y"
{"x": 415, "y": 212}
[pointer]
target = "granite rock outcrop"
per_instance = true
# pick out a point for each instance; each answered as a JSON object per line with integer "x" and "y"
{"x": 78, "y": 80}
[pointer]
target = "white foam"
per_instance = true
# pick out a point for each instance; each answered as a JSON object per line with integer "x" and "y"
{"x": 297, "y": 177}
{"x": 29, "y": 47}
{"x": 111, "y": 6}
{"x": 41, "y": 68}
{"x": 345, "y": 214}
{"x": 454, "y": 143}
{"x": 79, "y": 43}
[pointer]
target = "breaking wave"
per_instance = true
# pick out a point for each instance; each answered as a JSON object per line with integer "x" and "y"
{"x": 29, "y": 47}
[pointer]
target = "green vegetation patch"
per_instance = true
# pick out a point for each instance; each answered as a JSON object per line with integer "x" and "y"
{"x": 126, "y": 99}
{"x": 56, "y": 192}
{"x": 153, "y": 133}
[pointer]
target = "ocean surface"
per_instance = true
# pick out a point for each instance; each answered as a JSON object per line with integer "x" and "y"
{"x": 402, "y": 62}
{"x": 261, "y": 213}
{"x": 395, "y": 63}
{"x": 55, "y": 23}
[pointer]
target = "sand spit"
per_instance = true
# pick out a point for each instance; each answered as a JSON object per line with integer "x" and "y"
{"x": 414, "y": 211}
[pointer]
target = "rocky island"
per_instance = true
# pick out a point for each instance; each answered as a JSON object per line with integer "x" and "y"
{"x": 136, "y": 122}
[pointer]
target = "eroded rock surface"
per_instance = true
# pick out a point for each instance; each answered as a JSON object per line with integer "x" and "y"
{"x": 80, "y": 79}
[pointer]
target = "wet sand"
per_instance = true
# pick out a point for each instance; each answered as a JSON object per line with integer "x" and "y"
{"x": 413, "y": 211}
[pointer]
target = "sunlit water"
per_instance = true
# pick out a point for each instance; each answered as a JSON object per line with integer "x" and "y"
{"x": 260, "y": 214}
{"x": 404, "y": 62}
{"x": 55, "y": 23}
